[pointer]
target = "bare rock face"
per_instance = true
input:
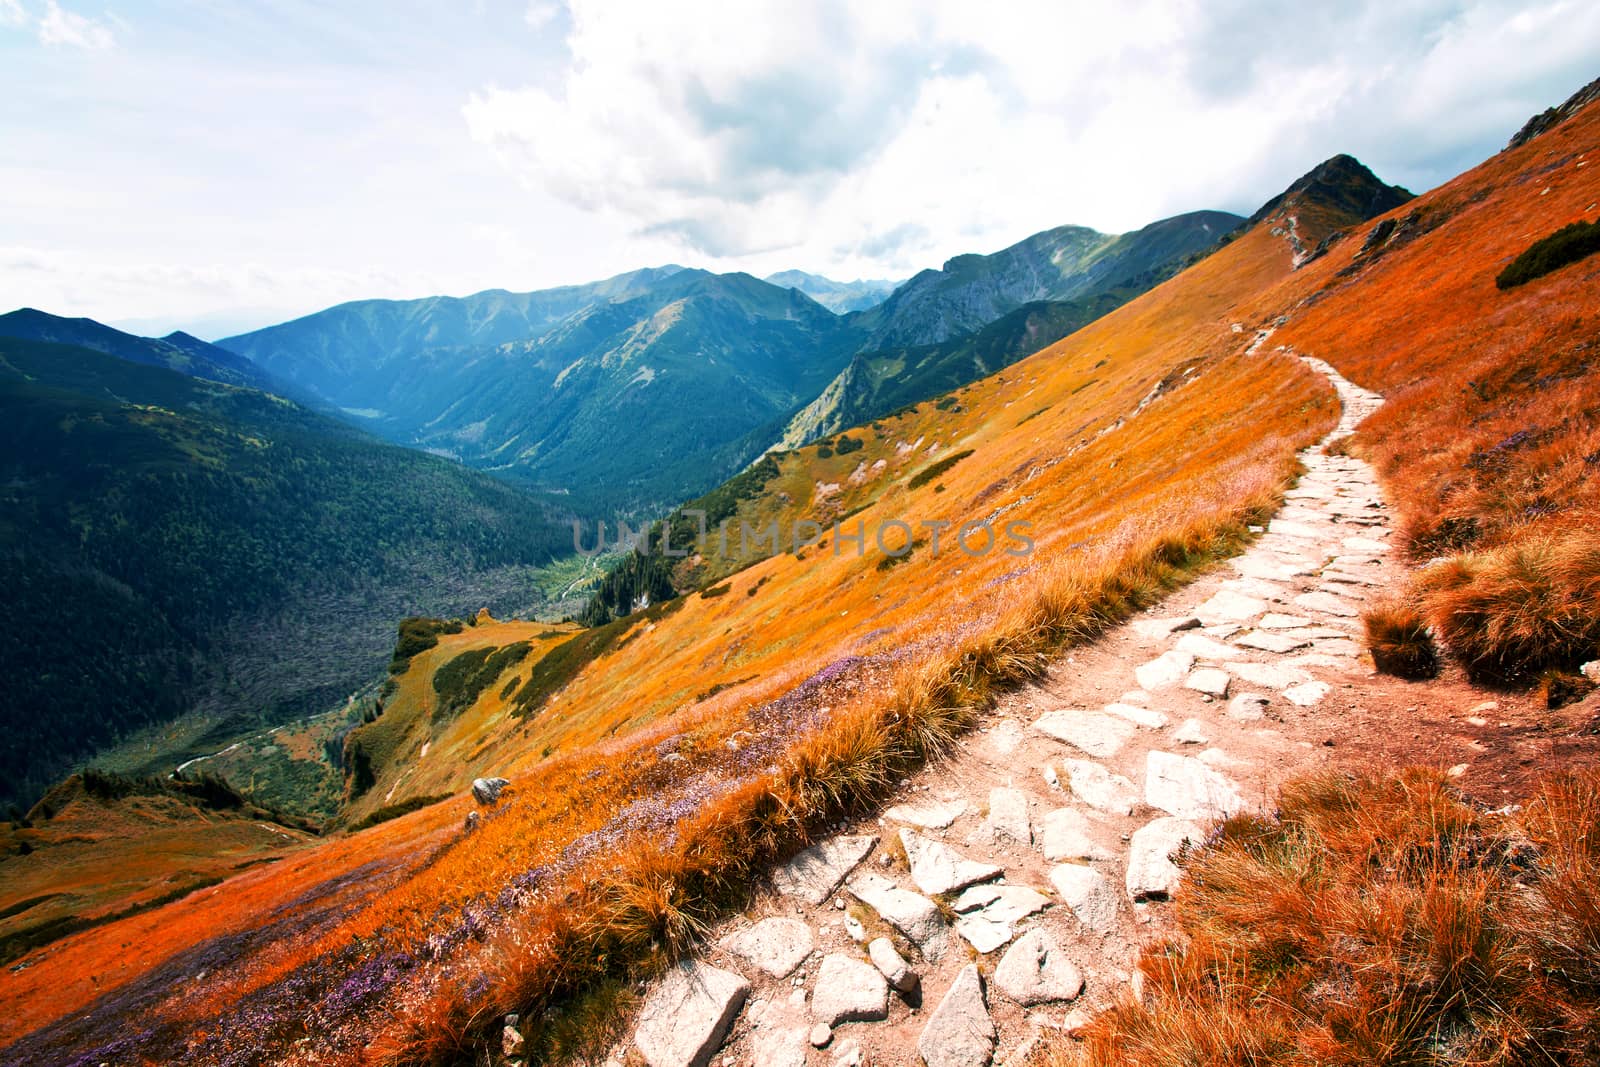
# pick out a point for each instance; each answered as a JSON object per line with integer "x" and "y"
{"x": 849, "y": 990}
{"x": 776, "y": 946}
{"x": 487, "y": 790}
{"x": 687, "y": 1016}
{"x": 1036, "y": 971}
{"x": 960, "y": 1032}
{"x": 815, "y": 873}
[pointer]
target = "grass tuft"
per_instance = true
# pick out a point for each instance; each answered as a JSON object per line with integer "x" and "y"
{"x": 1398, "y": 638}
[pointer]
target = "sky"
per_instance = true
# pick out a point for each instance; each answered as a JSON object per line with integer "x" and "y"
{"x": 220, "y": 166}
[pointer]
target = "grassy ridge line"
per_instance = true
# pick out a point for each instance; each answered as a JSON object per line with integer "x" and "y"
{"x": 1379, "y": 920}
{"x": 657, "y": 897}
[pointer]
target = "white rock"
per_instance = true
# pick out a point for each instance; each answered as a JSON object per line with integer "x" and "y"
{"x": 687, "y": 1015}
{"x": 1094, "y": 732}
{"x": 1271, "y": 675}
{"x": 1165, "y": 671}
{"x": 1208, "y": 680}
{"x": 776, "y": 946}
{"x": 1159, "y": 628}
{"x": 1051, "y": 779}
{"x": 487, "y": 790}
{"x": 1591, "y": 671}
{"x": 1151, "y": 872}
{"x": 934, "y": 815}
{"x": 1192, "y": 732}
{"x": 1270, "y": 642}
{"x": 1001, "y": 742}
{"x": 1069, "y": 834}
{"x": 1202, "y": 647}
{"x": 1365, "y": 545}
{"x": 853, "y": 927}
{"x": 1230, "y": 606}
{"x": 848, "y": 990}
{"x": 1274, "y": 621}
{"x": 780, "y": 1033}
{"x": 1002, "y": 903}
{"x": 1008, "y": 814}
{"x": 895, "y": 970}
{"x": 1154, "y": 720}
{"x": 848, "y": 1054}
{"x": 813, "y": 875}
{"x": 1036, "y": 971}
{"x": 912, "y": 914}
{"x": 1099, "y": 788}
{"x": 982, "y": 933}
{"x": 1299, "y": 530}
{"x": 960, "y": 1032}
{"x": 821, "y": 1034}
{"x": 937, "y": 868}
{"x": 1247, "y": 707}
{"x": 1327, "y": 604}
{"x": 1088, "y": 893}
{"x": 1307, "y": 694}
{"x": 1187, "y": 788}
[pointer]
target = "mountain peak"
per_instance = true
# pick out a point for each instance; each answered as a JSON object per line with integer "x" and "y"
{"x": 1552, "y": 117}
{"x": 1341, "y": 184}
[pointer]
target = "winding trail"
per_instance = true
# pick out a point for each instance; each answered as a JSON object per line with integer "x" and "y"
{"x": 1040, "y": 851}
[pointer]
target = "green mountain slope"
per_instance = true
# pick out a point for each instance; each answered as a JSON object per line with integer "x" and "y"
{"x": 655, "y": 390}
{"x": 169, "y": 544}
{"x": 1066, "y": 263}
{"x": 177, "y": 351}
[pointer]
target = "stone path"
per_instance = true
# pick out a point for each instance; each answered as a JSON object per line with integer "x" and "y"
{"x": 1010, "y": 889}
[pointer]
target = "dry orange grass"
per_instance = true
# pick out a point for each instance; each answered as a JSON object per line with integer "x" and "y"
{"x": 1374, "y": 922}
{"x": 1398, "y": 638}
{"x": 1490, "y": 441}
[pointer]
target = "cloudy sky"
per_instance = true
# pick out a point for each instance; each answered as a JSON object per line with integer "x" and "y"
{"x": 223, "y": 165}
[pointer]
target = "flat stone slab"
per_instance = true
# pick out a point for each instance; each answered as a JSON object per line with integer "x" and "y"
{"x": 1151, "y": 873}
{"x": 1099, "y": 788}
{"x": 1137, "y": 715}
{"x": 1088, "y": 893}
{"x": 687, "y": 1015}
{"x": 1185, "y": 787}
{"x": 1230, "y": 606}
{"x": 933, "y": 815}
{"x": 1275, "y": 621}
{"x": 960, "y": 1032}
{"x": 1001, "y": 742}
{"x": 848, "y": 991}
{"x": 1035, "y": 970}
{"x": 1271, "y": 675}
{"x": 1192, "y": 732}
{"x": 1270, "y": 642}
{"x": 776, "y": 946}
{"x": 1290, "y": 528}
{"x": 813, "y": 874}
{"x": 1327, "y": 604}
{"x": 1069, "y": 834}
{"x": 1008, "y": 814}
{"x": 1159, "y": 628}
{"x": 1001, "y": 903}
{"x": 780, "y": 1031}
{"x": 1248, "y": 707}
{"x": 1365, "y": 544}
{"x": 1163, "y": 672}
{"x": 911, "y": 913}
{"x": 1211, "y": 681}
{"x": 1204, "y": 648}
{"x": 938, "y": 868}
{"x": 1307, "y": 694}
{"x": 1093, "y": 732}
{"x": 983, "y": 933}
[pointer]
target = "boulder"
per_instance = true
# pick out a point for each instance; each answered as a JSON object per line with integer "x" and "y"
{"x": 848, "y": 990}
{"x": 776, "y": 946}
{"x": 487, "y": 790}
{"x": 895, "y": 970}
{"x": 937, "y": 868}
{"x": 960, "y": 1032}
{"x": 815, "y": 873}
{"x": 1036, "y": 971}
{"x": 1151, "y": 873}
{"x": 686, "y": 1017}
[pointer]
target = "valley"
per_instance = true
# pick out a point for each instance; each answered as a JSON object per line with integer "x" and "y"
{"x": 1074, "y": 612}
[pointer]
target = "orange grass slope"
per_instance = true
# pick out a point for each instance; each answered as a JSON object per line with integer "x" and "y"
{"x": 1490, "y": 440}
{"x": 644, "y": 796}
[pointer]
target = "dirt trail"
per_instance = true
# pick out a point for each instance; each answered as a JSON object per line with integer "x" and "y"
{"x": 1040, "y": 851}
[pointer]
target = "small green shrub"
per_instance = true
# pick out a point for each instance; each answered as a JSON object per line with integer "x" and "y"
{"x": 460, "y": 682}
{"x": 932, "y": 471}
{"x": 1567, "y": 245}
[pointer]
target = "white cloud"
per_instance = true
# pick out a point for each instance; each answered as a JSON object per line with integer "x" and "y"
{"x": 12, "y": 13}
{"x": 59, "y": 26}
{"x": 876, "y": 138}
{"x": 541, "y": 13}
